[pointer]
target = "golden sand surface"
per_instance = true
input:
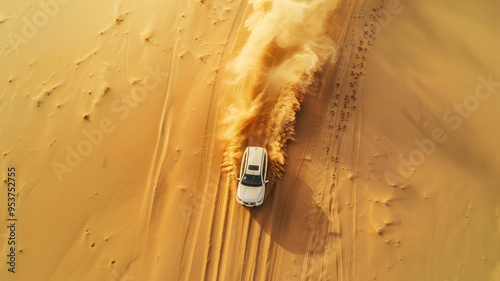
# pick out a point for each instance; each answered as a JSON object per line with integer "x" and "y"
{"x": 123, "y": 124}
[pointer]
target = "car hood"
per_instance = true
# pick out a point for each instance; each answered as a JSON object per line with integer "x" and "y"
{"x": 250, "y": 193}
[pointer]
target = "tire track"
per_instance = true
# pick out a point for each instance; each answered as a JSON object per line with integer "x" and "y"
{"x": 216, "y": 229}
{"x": 206, "y": 156}
{"x": 309, "y": 261}
{"x": 228, "y": 221}
{"x": 219, "y": 219}
{"x": 160, "y": 152}
{"x": 338, "y": 124}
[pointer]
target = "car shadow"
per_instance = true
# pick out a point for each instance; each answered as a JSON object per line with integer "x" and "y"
{"x": 297, "y": 212}
{"x": 294, "y": 216}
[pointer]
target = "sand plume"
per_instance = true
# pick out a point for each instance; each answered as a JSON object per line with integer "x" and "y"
{"x": 286, "y": 48}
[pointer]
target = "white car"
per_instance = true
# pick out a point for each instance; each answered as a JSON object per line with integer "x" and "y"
{"x": 253, "y": 177}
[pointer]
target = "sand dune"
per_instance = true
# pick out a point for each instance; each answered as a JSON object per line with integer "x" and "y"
{"x": 125, "y": 123}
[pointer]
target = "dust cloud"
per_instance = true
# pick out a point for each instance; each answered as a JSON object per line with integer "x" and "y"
{"x": 285, "y": 50}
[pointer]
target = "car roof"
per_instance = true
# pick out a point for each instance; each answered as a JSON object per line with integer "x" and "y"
{"x": 255, "y": 155}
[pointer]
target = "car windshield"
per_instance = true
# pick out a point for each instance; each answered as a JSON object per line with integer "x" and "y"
{"x": 251, "y": 180}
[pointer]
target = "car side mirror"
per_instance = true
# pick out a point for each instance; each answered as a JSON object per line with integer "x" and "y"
{"x": 266, "y": 181}
{"x": 238, "y": 178}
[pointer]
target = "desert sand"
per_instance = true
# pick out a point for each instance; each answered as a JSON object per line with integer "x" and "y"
{"x": 125, "y": 122}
